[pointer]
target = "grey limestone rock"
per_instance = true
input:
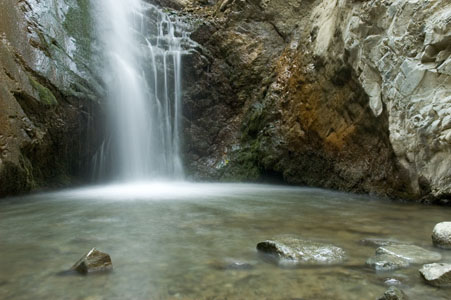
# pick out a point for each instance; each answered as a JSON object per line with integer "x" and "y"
{"x": 382, "y": 262}
{"x": 392, "y": 257}
{"x": 437, "y": 274}
{"x": 411, "y": 253}
{"x": 441, "y": 235}
{"x": 293, "y": 250}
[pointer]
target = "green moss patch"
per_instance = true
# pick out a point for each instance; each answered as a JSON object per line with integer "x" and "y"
{"x": 243, "y": 164}
{"x": 45, "y": 95}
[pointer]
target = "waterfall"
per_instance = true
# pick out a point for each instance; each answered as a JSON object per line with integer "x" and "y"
{"x": 143, "y": 50}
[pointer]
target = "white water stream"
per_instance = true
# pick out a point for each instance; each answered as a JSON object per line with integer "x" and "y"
{"x": 143, "y": 49}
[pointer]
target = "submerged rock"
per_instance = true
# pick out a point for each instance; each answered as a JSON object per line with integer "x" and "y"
{"x": 375, "y": 242}
{"x": 394, "y": 257}
{"x": 93, "y": 261}
{"x": 232, "y": 264}
{"x": 288, "y": 249}
{"x": 411, "y": 253}
{"x": 437, "y": 274}
{"x": 441, "y": 235}
{"x": 387, "y": 262}
{"x": 239, "y": 265}
{"x": 392, "y": 282}
{"x": 393, "y": 293}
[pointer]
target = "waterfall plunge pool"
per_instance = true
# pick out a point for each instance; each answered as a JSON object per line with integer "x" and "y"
{"x": 175, "y": 241}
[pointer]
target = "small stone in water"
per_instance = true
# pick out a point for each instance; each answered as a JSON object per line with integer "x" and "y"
{"x": 392, "y": 281}
{"x": 441, "y": 235}
{"x": 240, "y": 266}
{"x": 393, "y": 293}
{"x": 288, "y": 250}
{"x": 93, "y": 261}
{"x": 437, "y": 274}
{"x": 381, "y": 262}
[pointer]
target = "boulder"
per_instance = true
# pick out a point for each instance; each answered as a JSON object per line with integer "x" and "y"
{"x": 93, "y": 261}
{"x": 293, "y": 250}
{"x": 394, "y": 257}
{"x": 437, "y": 274}
{"x": 441, "y": 235}
{"x": 393, "y": 293}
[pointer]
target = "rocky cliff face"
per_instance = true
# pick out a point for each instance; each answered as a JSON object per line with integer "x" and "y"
{"x": 401, "y": 51}
{"x": 47, "y": 93}
{"x": 346, "y": 94}
{"x": 350, "y": 95}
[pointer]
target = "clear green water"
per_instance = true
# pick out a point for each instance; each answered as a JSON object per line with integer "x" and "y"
{"x": 172, "y": 241}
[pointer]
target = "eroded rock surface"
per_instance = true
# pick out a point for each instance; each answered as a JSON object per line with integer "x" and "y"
{"x": 401, "y": 51}
{"x": 293, "y": 250}
{"x": 293, "y": 90}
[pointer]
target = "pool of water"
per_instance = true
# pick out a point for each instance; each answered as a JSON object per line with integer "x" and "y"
{"x": 175, "y": 240}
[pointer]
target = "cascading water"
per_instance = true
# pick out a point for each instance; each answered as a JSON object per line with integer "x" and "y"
{"x": 143, "y": 50}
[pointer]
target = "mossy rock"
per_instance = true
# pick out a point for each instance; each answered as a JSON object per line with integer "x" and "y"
{"x": 243, "y": 164}
{"x": 45, "y": 95}
{"x": 254, "y": 122}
